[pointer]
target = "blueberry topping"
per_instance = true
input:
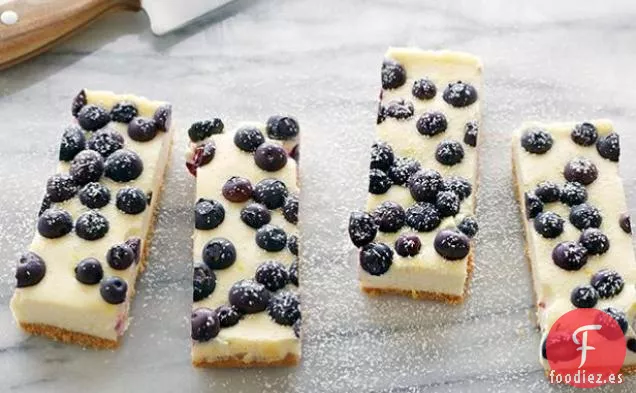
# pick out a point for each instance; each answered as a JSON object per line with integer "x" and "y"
{"x": 228, "y": 315}
{"x": 205, "y": 324}
{"x": 548, "y": 224}
{"x": 580, "y": 170}
{"x": 594, "y": 241}
{"x": 449, "y": 152}
{"x": 292, "y": 244}
{"x": 141, "y": 129}
{"x": 584, "y": 296}
{"x": 393, "y": 74}
{"x": 468, "y": 226}
{"x": 284, "y": 308}
{"x": 255, "y": 215}
{"x": 89, "y": 271}
{"x": 560, "y": 346}
{"x": 163, "y": 117}
{"x": 471, "y": 131}
{"x": 585, "y": 216}
{"x": 106, "y": 142}
{"x": 248, "y": 139}
{"x": 584, "y": 134}
{"x": 379, "y": 182}
{"x": 362, "y": 228}
{"x": 120, "y": 256}
{"x": 631, "y": 344}
{"x": 398, "y": 109}
{"x": 94, "y": 195}
{"x": 573, "y": 193}
{"x": 295, "y": 153}
{"x": 131, "y": 200}
{"x": 203, "y": 155}
{"x": 376, "y": 258}
{"x": 402, "y": 169}
{"x": 60, "y": 188}
{"x": 431, "y": 123}
{"x": 73, "y": 141}
{"x": 203, "y": 281}
{"x": 536, "y": 141}
{"x": 91, "y": 225}
{"x": 92, "y": 117}
{"x": 30, "y": 271}
{"x": 271, "y": 193}
{"x": 424, "y": 89}
{"x": 46, "y": 204}
{"x": 290, "y": 209}
{"x": 270, "y": 157}
{"x": 249, "y": 297}
{"x": 200, "y": 130}
{"x": 113, "y": 290}
{"x": 408, "y": 245}
{"x": 451, "y": 245}
{"x": 460, "y": 94}
{"x": 237, "y": 189}
{"x": 625, "y": 222}
{"x": 292, "y": 273}
{"x": 271, "y": 238}
{"x": 54, "y": 223}
{"x": 609, "y": 147}
{"x": 548, "y": 192}
{"x": 123, "y": 165}
{"x": 533, "y": 205}
{"x": 459, "y": 185}
{"x": 87, "y": 166}
{"x": 78, "y": 103}
{"x": 123, "y": 111}
{"x": 135, "y": 245}
{"x": 569, "y": 255}
{"x": 208, "y": 214}
{"x": 382, "y": 156}
{"x": 423, "y": 217}
{"x": 447, "y": 203}
{"x": 389, "y": 216}
{"x": 219, "y": 253}
{"x": 272, "y": 274}
{"x": 619, "y": 317}
{"x": 608, "y": 283}
{"x": 425, "y": 184}
{"x": 282, "y": 127}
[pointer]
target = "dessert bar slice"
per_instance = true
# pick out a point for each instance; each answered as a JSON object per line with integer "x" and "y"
{"x": 246, "y": 309}
{"x": 415, "y": 235}
{"x": 578, "y": 230}
{"x": 76, "y": 281}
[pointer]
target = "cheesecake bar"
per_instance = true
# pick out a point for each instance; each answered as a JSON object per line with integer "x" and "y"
{"x": 246, "y": 307}
{"x": 415, "y": 235}
{"x": 578, "y": 232}
{"x": 76, "y": 280}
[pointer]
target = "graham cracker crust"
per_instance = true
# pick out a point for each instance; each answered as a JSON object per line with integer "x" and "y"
{"x": 238, "y": 362}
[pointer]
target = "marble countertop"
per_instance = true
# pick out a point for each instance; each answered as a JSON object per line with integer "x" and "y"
{"x": 318, "y": 60}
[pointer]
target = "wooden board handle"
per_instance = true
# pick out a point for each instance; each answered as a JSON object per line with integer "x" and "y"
{"x": 42, "y": 23}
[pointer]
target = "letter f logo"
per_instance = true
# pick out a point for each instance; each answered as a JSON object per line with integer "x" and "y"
{"x": 584, "y": 347}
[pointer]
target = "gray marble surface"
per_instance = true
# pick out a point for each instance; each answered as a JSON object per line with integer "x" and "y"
{"x": 318, "y": 60}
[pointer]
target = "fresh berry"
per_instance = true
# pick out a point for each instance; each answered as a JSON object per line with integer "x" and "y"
{"x": 460, "y": 94}
{"x": 402, "y": 169}
{"x": 584, "y": 134}
{"x": 376, "y": 258}
{"x": 451, "y": 245}
{"x": 284, "y": 308}
{"x": 379, "y": 182}
{"x": 569, "y": 255}
{"x": 92, "y": 117}
{"x": 271, "y": 193}
{"x": 594, "y": 241}
{"x": 449, "y": 152}
{"x": 91, "y": 225}
{"x": 205, "y": 324}
{"x": 393, "y": 74}
{"x": 608, "y": 283}
{"x": 573, "y": 193}
{"x": 533, "y": 205}
{"x": 123, "y": 165}
{"x": 548, "y": 192}
{"x": 255, "y": 215}
{"x": 408, "y": 245}
{"x": 292, "y": 273}
{"x": 30, "y": 271}
{"x": 580, "y": 170}
{"x": 203, "y": 155}
{"x": 270, "y": 157}
{"x": 203, "y": 281}
{"x": 631, "y": 344}
{"x": 46, "y": 204}
{"x": 228, "y": 315}
{"x": 431, "y": 123}
{"x": 424, "y": 89}
{"x": 131, "y": 200}
{"x": 73, "y": 141}
{"x": 163, "y": 117}
{"x": 389, "y": 216}
{"x": 89, "y": 271}
{"x": 471, "y": 132}
{"x": 200, "y": 130}
{"x": 123, "y": 111}
{"x": 382, "y": 156}
{"x": 282, "y": 128}
{"x": 248, "y": 139}
{"x": 619, "y": 317}
{"x": 548, "y": 224}
{"x": 106, "y": 142}
{"x": 271, "y": 238}
{"x": 78, "y": 103}
{"x": 459, "y": 186}
{"x": 290, "y": 209}
{"x": 87, "y": 166}
{"x": 609, "y": 147}
{"x": 208, "y": 214}
{"x": 54, "y": 223}
{"x": 625, "y": 222}
{"x": 272, "y": 274}
{"x": 292, "y": 244}
{"x": 423, "y": 217}
{"x": 113, "y": 290}
{"x": 362, "y": 228}
{"x": 135, "y": 245}
{"x": 447, "y": 203}
{"x": 584, "y": 296}
{"x": 141, "y": 129}
{"x": 120, "y": 256}
{"x": 425, "y": 184}
{"x": 219, "y": 253}
{"x": 560, "y": 347}
{"x": 94, "y": 195}
{"x": 237, "y": 189}
{"x": 249, "y": 297}
{"x": 468, "y": 226}
{"x": 60, "y": 188}
{"x": 399, "y": 109}
{"x": 295, "y": 153}
{"x": 585, "y": 216}
{"x": 536, "y": 141}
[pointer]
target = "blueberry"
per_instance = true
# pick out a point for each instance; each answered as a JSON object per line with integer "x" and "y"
{"x": 424, "y": 89}
{"x": 106, "y": 142}
{"x": 163, "y": 117}
{"x": 200, "y": 130}
{"x": 402, "y": 169}
{"x": 92, "y": 117}
{"x": 94, "y": 195}
{"x": 581, "y": 170}
{"x": 203, "y": 281}
{"x": 362, "y": 228}
{"x": 208, "y": 214}
{"x": 594, "y": 241}
{"x": 272, "y": 274}
{"x": 585, "y": 216}
{"x": 459, "y": 185}
{"x": 141, "y": 129}
{"x": 113, "y": 290}
{"x": 87, "y": 166}
{"x": 30, "y": 271}
{"x": 78, "y": 103}
{"x": 292, "y": 244}
{"x": 449, "y": 152}
{"x": 271, "y": 238}
{"x": 255, "y": 215}
{"x": 292, "y": 273}
{"x": 379, "y": 182}
{"x": 376, "y": 258}
{"x": 120, "y": 256}
{"x": 73, "y": 141}
{"x": 89, "y": 271}
{"x": 290, "y": 209}
{"x": 569, "y": 255}
{"x": 408, "y": 245}
{"x": 123, "y": 165}
{"x": 584, "y": 134}
{"x": 382, "y": 156}
{"x": 271, "y": 193}
{"x": 471, "y": 131}
{"x": 282, "y": 127}
{"x": 46, "y": 204}
{"x": 533, "y": 205}
{"x": 625, "y": 222}
{"x": 295, "y": 153}
{"x": 393, "y": 74}
{"x": 203, "y": 155}
{"x": 460, "y": 94}
{"x": 548, "y": 224}
{"x": 135, "y": 245}
{"x": 249, "y": 297}
{"x": 631, "y": 344}
{"x": 431, "y": 123}
{"x": 219, "y": 253}
{"x": 248, "y": 139}
{"x": 91, "y": 225}
{"x": 60, "y": 188}
{"x": 270, "y": 157}
{"x": 398, "y": 109}
{"x": 297, "y": 329}
{"x": 468, "y": 226}
{"x": 54, "y": 223}
{"x": 425, "y": 184}
{"x": 537, "y": 141}
{"x": 560, "y": 346}
{"x": 584, "y": 296}
{"x": 609, "y": 147}
{"x": 548, "y": 192}
{"x": 205, "y": 324}
{"x": 123, "y": 111}
{"x": 389, "y": 216}
{"x": 237, "y": 189}
{"x": 447, "y": 203}
{"x": 228, "y": 315}
{"x": 451, "y": 245}
{"x": 284, "y": 308}
{"x": 619, "y": 317}
{"x": 608, "y": 283}
{"x": 423, "y": 217}
{"x": 131, "y": 200}
{"x": 573, "y": 193}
